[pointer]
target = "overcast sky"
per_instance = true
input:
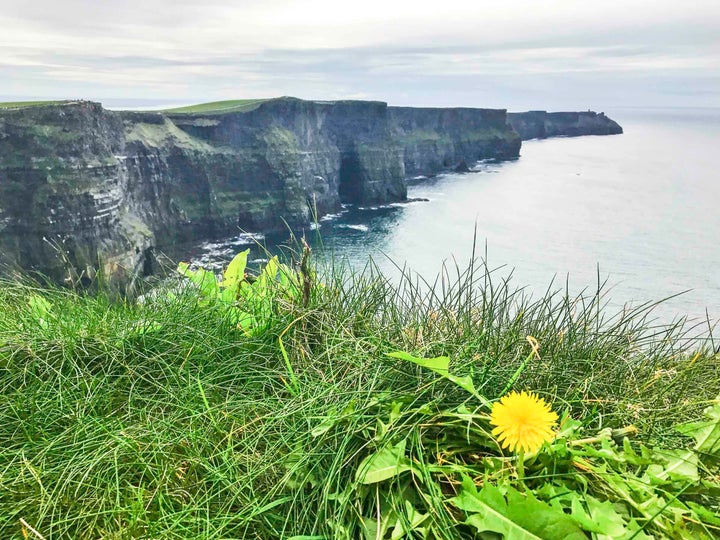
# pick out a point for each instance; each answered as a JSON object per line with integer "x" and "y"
{"x": 516, "y": 54}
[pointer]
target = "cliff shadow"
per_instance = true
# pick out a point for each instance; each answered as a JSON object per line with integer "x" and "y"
{"x": 350, "y": 179}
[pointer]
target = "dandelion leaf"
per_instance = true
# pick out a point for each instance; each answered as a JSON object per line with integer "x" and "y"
{"x": 326, "y": 425}
{"x": 682, "y": 465}
{"x": 441, "y": 366}
{"x": 597, "y": 516}
{"x": 410, "y": 527}
{"x": 705, "y": 432}
{"x": 514, "y": 515}
{"x": 383, "y": 465}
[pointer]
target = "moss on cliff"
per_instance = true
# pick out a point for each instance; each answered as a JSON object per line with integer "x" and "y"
{"x": 164, "y": 135}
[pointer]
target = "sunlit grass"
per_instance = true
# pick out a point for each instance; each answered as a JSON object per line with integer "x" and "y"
{"x": 188, "y": 429}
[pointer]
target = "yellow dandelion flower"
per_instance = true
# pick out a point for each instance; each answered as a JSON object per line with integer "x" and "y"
{"x": 523, "y": 421}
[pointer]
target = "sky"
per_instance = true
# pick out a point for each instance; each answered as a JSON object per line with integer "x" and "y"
{"x": 515, "y": 54}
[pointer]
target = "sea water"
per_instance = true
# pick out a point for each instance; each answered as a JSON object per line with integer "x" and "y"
{"x": 638, "y": 210}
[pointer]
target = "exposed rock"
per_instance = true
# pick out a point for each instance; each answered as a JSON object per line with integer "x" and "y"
{"x": 462, "y": 167}
{"x": 437, "y": 139}
{"x": 542, "y": 124}
{"x": 81, "y": 186}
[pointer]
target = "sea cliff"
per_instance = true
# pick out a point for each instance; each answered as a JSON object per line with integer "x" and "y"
{"x": 82, "y": 187}
{"x": 543, "y": 124}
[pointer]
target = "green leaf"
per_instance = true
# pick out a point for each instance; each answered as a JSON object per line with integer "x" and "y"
{"x": 441, "y": 366}
{"x": 705, "y": 432}
{"x": 242, "y": 319}
{"x": 235, "y": 271}
{"x": 204, "y": 279}
{"x": 326, "y": 425}
{"x": 517, "y": 517}
{"x": 600, "y": 517}
{"x": 372, "y": 530}
{"x": 704, "y": 514}
{"x": 682, "y": 465}
{"x": 383, "y": 465}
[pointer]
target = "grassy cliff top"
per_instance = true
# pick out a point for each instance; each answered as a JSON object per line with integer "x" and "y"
{"x": 219, "y": 107}
{"x": 23, "y": 104}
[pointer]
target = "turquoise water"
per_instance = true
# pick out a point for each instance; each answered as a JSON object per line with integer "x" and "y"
{"x": 638, "y": 209}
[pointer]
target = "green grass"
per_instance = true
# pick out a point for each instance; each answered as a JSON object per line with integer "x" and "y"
{"x": 162, "y": 419}
{"x": 23, "y": 104}
{"x": 219, "y": 107}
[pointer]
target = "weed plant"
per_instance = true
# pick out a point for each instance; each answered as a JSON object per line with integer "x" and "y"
{"x": 173, "y": 417}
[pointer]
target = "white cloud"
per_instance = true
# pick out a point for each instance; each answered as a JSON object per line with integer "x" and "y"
{"x": 395, "y": 50}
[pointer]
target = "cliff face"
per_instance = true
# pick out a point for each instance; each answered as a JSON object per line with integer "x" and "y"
{"x": 91, "y": 185}
{"x": 438, "y": 139}
{"x": 542, "y": 124}
{"x": 64, "y": 191}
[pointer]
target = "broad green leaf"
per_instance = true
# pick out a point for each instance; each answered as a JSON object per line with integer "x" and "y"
{"x": 204, "y": 279}
{"x": 271, "y": 269}
{"x": 600, "y": 517}
{"x": 184, "y": 269}
{"x": 569, "y": 427}
{"x": 326, "y": 425}
{"x": 441, "y": 366}
{"x": 634, "y": 532}
{"x": 372, "y": 530}
{"x": 704, "y": 514}
{"x": 517, "y": 517}
{"x": 705, "y": 432}
{"x": 682, "y": 466}
{"x": 242, "y": 319}
{"x": 539, "y": 518}
{"x": 485, "y": 511}
{"x": 235, "y": 271}
{"x": 228, "y": 295}
{"x": 383, "y": 465}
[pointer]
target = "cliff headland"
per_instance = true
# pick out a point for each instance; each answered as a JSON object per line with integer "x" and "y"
{"x": 106, "y": 187}
{"x": 542, "y": 124}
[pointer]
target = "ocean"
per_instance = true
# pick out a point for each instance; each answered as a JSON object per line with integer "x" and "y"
{"x": 638, "y": 211}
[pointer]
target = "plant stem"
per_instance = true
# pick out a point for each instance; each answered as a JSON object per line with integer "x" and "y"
{"x": 521, "y": 468}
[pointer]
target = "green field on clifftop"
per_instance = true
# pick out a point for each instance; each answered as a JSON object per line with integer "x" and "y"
{"x": 217, "y": 107}
{"x": 23, "y": 104}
